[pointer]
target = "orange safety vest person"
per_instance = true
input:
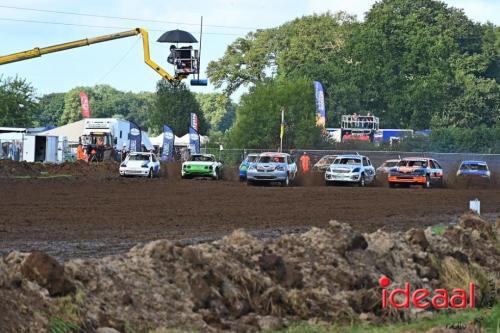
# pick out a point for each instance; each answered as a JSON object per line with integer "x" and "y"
{"x": 80, "y": 153}
{"x": 305, "y": 162}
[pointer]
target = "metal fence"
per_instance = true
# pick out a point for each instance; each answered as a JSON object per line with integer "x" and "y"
{"x": 449, "y": 161}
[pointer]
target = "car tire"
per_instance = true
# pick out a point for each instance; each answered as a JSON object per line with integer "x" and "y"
{"x": 250, "y": 183}
{"x": 362, "y": 181}
{"x": 286, "y": 182}
{"x": 217, "y": 175}
{"x": 427, "y": 183}
{"x": 151, "y": 174}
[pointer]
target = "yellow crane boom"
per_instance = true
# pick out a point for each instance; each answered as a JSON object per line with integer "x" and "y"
{"x": 38, "y": 52}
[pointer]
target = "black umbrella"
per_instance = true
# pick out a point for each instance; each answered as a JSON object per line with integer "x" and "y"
{"x": 177, "y": 36}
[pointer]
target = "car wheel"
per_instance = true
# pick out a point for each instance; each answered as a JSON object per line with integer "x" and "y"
{"x": 286, "y": 182}
{"x": 250, "y": 183}
{"x": 217, "y": 175}
{"x": 427, "y": 183}
{"x": 362, "y": 180}
{"x": 151, "y": 173}
{"x": 392, "y": 185}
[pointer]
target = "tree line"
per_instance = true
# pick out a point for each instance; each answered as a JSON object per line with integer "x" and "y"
{"x": 415, "y": 64}
{"x": 171, "y": 104}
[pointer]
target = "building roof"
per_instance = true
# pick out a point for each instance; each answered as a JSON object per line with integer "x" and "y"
{"x": 72, "y": 131}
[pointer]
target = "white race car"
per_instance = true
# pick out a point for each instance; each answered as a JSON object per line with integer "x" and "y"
{"x": 140, "y": 164}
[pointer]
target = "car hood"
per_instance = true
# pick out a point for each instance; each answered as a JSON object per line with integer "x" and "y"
{"x": 198, "y": 163}
{"x": 268, "y": 166}
{"x": 135, "y": 164}
{"x": 345, "y": 166}
{"x": 406, "y": 169}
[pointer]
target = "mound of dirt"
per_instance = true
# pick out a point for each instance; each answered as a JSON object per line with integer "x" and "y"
{"x": 11, "y": 169}
{"x": 244, "y": 284}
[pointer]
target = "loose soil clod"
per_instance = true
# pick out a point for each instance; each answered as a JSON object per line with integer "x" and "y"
{"x": 244, "y": 284}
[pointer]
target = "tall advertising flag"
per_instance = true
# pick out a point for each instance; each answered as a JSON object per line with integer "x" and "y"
{"x": 84, "y": 100}
{"x": 168, "y": 144}
{"x": 194, "y": 141}
{"x": 194, "y": 122}
{"x": 135, "y": 137}
{"x": 320, "y": 105}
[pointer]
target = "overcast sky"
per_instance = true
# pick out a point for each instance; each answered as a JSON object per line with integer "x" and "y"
{"x": 119, "y": 63}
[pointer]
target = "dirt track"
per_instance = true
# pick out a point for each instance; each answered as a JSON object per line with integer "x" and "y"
{"x": 79, "y": 218}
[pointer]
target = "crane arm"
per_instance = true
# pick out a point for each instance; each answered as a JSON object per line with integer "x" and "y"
{"x": 38, "y": 52}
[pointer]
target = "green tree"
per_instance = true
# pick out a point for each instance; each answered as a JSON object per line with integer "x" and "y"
{"x": 17, "y": 102}
{"x": 218, "y": 110}
{"x": 407, "y": 49}
{"x": 300, "y": 47}
{"x": 106, "y": 102}
{"x": 258, "y": 116}
{"x": 173, "y": 106}
{"x": 50, "y": 109}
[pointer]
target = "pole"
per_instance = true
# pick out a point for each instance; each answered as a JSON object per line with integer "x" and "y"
{"x": 199, "y": 52}
{"x": 282, "y": 129}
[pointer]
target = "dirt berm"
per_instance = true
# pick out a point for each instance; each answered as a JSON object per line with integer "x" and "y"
{"x": 243, "y": 284}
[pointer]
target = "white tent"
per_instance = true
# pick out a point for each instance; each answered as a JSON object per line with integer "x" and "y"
{"x": 72, "y": 131}
{"x": 182, "y": 141}
{"x": 158, "y": 140}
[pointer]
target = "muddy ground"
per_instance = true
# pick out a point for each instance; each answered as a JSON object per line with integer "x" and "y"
{"x": 95, "y": 213}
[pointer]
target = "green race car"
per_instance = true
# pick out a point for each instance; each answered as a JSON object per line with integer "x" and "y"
{"x": 201, "y": 165}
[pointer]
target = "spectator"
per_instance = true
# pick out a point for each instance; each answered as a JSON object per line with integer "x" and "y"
{"x": 80, "y": 153}
{"x": 124, "y": 152}
{"x": 305, "y": 162}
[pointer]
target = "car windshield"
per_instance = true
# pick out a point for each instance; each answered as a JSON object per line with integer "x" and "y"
{"x": 252, "y": 158}
{"x": 326, "y": 160}
{"x": 347, "y": 160}
{"x": 413, "y": 163}
{"x": 272, "y": 159}
{"x": 390, "y": 164}
{"x": 202, "y": 158}
{"x": 478, "y": 167}
{"x": 139, "y": 157}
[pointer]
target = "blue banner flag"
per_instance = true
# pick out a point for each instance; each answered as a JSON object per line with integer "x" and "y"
{"x": 194, "y": 141}
{"x": 135, "y": 137}
{"x": 194, "y": 122}
{"x": 320, "y": 105}
{"x": 168, "y": 144}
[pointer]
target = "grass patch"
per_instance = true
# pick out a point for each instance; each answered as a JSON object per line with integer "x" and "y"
{"x": 488, "y": 319}
{"x": 44, "y": 175}
{"x": 438, "y": 229}
{"x": 58, "y": 325}
{"x": 55, "y": 176}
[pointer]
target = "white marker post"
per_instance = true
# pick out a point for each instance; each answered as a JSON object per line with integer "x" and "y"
{"x": 475, "y": 205}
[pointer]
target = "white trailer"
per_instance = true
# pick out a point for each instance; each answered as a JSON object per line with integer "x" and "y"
{"x": 32, "y": 148}
{"x": 114, "y": 132}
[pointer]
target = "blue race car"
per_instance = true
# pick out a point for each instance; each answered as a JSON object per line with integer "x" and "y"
{"x": 474, "y": 170}
{"x": 272, "y": 167}
{"x": 249, "y": 159}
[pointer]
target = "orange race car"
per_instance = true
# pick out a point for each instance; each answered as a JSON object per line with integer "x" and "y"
{"x": 416, "y": 171}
